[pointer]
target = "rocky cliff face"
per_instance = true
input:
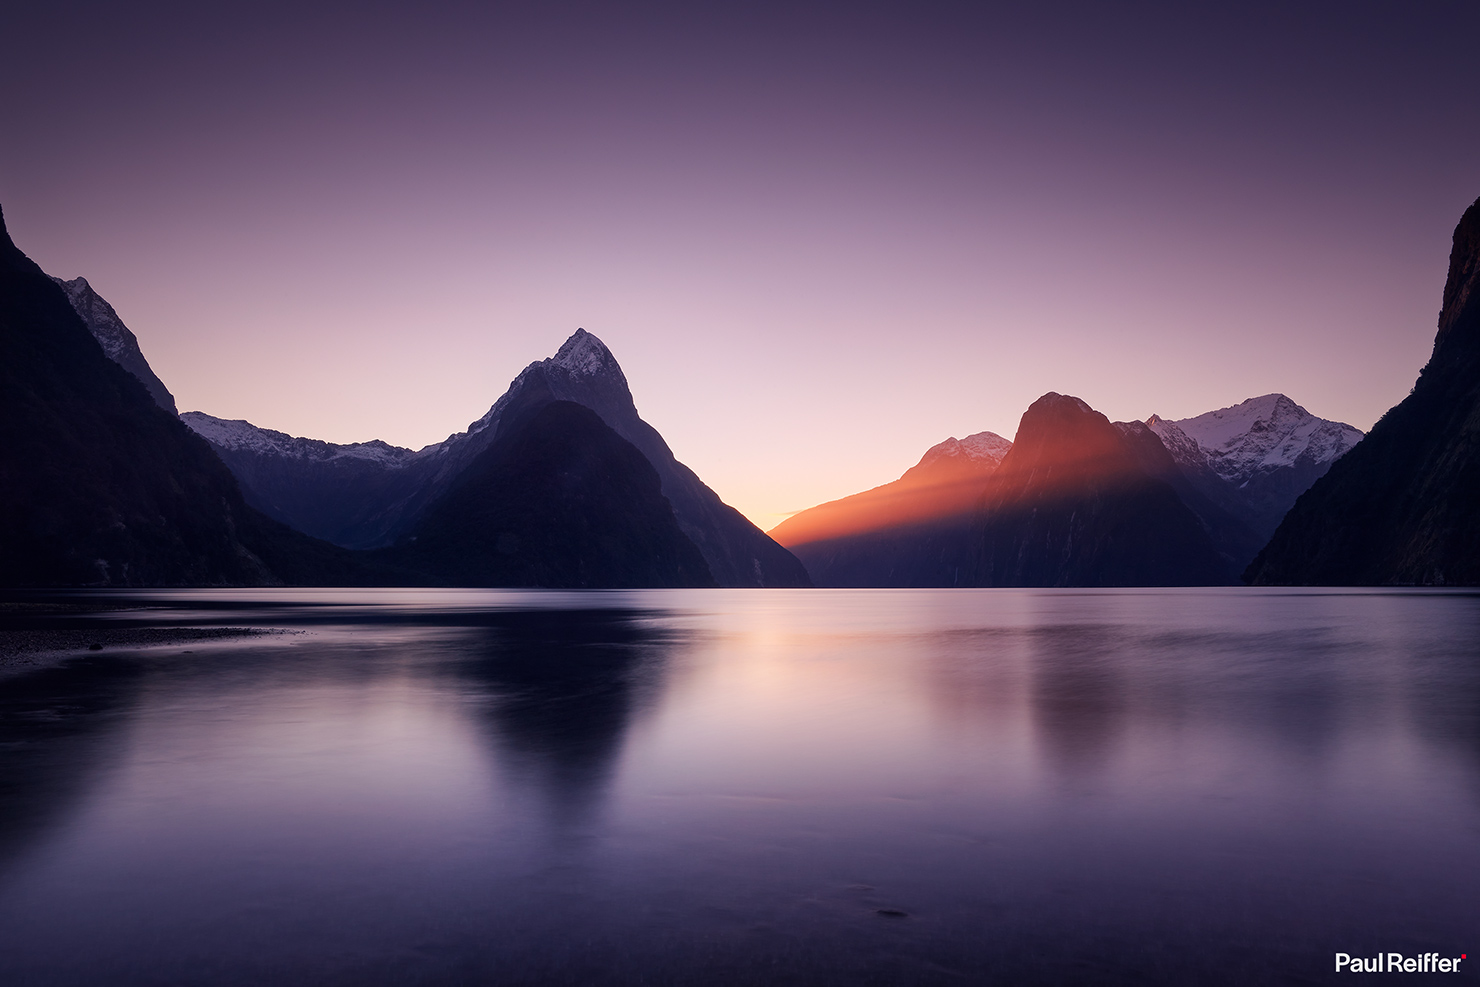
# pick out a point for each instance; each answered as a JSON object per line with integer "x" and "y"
{"x": 117, "y": 341}
{"x": 1403, "y": 506}
{"x": 104, "y": 487}
{"x": 1073, "y": 505}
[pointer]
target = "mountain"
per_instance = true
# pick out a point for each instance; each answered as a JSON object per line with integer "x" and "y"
{"x": 372, "y": 494}
{"x": 911, "y": 532}
{"x": 584, "y": 371}
{"x": 1073, "y": 500}
{"x": 361, "y": 495}
{"x": 1072, "y": 505}
{"x": 1219, "y": 506}
{"x": 558, "y": 500}
{"x": 102, "y": 485}
{"x": 117, "y": 341}
{"x": 1264, "y": 453}
{"x": 1403, "y": 506}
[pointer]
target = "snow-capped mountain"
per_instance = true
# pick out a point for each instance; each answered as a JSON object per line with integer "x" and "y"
{"x": 121, "y": 346}
{"x": 242, "y": 436}
{"x": 584, "y": 371}
{"x": 370, "y": 494}
{"x": 1266, "y": 433}
{"x": 981, "y": 448}
{"x": 360, "y": 495}
{"x": 1266, "y": 450}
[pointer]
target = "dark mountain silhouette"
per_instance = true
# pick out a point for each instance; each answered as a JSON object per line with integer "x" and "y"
{"x": 911, "y": 532}
{"x": 585, "y": 372}
{"x": 1072, "y": 505}
{"x": 371, "y": 494}
{"x": 558, "y": 499}
{"x": 1403, "y": 507}
{"x": 1218, "y": 505}
{"x": 101, "y": 485}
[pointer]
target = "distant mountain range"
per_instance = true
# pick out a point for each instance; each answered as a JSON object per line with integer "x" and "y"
{"x": 562, "y": 484}
{"x": 1087, "y": 503}
{"x": 373, "y": 495}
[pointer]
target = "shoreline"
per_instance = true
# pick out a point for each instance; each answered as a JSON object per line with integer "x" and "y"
{"x": 30, "y": 650}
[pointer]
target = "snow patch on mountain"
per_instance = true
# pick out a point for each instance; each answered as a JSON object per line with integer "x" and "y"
{"x": 580, "y": 361}
{"x": 241, "y": 435}
{"x": 983, "y": 447}
{"x": 107, "y": 328}
{"x": 1262, "y": 434}
{"x": 584, "y": 354}
{"x": 1183, "y": 447}
{"x": 118, "y": 343}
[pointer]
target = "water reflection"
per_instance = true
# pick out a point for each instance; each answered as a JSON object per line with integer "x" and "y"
{"x": 1079, "y": 695}
{"x": 558, "y": 692}
{"x": 60, "y": 729}
{"x": 734, "y": 788}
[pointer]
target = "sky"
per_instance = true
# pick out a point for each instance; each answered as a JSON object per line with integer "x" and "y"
{"x": 818, "y": 238}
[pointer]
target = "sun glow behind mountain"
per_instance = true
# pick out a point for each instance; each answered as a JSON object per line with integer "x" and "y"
{"x": 820, "y": 238}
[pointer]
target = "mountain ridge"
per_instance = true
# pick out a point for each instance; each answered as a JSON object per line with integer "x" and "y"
{"x": 1072, "y": 505}
{"x": 907, "y": 532}
{"x": 1403, "y": 507}
{"x": 369, "y": 495}
{"x": 106, "y": 488}
{"x": 118, "y": 342}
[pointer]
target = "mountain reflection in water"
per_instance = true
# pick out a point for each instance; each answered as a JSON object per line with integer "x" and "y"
{"x": 734, "y": 787}
{"x": 559, "y": 689}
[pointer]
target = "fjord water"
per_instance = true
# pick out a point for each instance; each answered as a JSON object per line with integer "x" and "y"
{"x": 750, "y": 786}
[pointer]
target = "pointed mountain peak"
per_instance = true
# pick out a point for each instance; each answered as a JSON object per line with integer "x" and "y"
{"x": 586, "y": 355}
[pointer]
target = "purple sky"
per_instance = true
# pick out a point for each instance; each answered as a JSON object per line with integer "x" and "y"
{"x": 818, "y": 238}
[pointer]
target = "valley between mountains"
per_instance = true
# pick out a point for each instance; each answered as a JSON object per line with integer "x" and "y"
{"x": 563, "y": 484}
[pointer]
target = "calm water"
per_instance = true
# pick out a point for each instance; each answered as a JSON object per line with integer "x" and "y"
{"x": 768, "y": 787}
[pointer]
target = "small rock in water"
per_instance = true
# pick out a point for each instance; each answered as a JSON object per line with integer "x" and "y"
{"x": 893, "y": 913}
{"x": 95, "y": 646}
